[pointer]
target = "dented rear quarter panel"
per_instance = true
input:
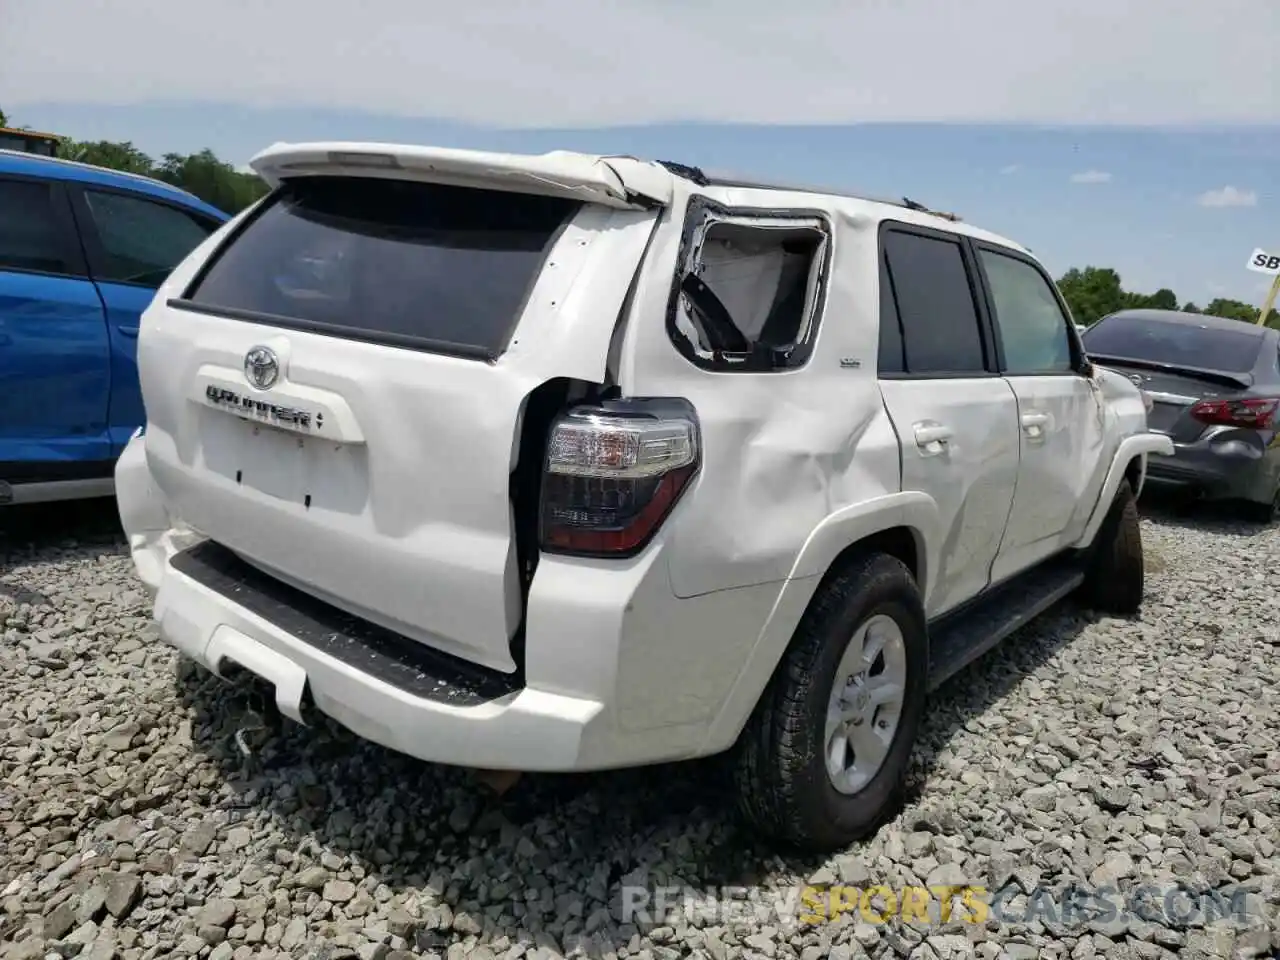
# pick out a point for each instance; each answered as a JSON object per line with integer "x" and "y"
{"x": 782, "y": 451}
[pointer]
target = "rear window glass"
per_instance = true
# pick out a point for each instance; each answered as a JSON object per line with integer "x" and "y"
{"x": 1178, "y": 344}
{"x": 412, "y": 264}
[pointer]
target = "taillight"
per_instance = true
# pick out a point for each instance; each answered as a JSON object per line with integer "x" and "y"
{"x": 614, "y": 472}
{"x": 1256, "y": 412}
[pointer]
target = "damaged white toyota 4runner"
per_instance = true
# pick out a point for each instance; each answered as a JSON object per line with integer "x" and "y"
{"x": 564, "y": 462}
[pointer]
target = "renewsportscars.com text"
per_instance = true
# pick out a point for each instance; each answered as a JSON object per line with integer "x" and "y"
{"x": 1176, "y": 905}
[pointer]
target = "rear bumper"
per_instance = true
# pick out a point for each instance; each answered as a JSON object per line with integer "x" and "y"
{"x": 1224, "y": 463}
{"x": 618, "y": 672}
{"x": 526, "y": 729}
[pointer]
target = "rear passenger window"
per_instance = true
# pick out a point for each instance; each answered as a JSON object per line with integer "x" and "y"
{"x": 390, "y": 261}
{"x": 1030, "y": 322}
{"x": 935, "y": 306}
{"x": 890, "y": 358}
{"x": 30, "y": 238}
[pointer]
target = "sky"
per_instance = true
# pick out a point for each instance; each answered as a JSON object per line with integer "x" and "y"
{"x": 1138, "y": 134}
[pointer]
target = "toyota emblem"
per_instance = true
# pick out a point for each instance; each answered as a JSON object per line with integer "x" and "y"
{"x": 261, "y": 368}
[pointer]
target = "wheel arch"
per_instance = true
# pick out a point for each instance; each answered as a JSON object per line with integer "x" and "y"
{"x": 902, "y": 525}
{"x": 1128, "y": 463}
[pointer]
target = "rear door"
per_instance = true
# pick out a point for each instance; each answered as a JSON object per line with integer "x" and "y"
{"x": 956, "y": 418}
{"x": 1063, "y": 447}
{"x": 54, "y": 356}
{"x": 132, "y": 242}
{"x": 337, "y": 394}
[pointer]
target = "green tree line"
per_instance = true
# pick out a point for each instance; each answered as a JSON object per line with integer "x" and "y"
{"x": 1094, "y": 292}
{"x": 1091, "y": 292}
{"x": 202, "y": 173}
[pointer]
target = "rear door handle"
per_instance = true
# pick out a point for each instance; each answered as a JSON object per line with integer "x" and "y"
{"x": 932, "y": 438}
{"x": 1033, "y": 425}
{"x": 130, "y": 332}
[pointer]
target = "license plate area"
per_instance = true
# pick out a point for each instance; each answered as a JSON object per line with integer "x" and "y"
{"x": 1163, "y": 416}
{"x": 261, "y": 459}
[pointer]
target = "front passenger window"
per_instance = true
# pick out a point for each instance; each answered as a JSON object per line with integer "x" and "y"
{"x": 1031, "y": 324}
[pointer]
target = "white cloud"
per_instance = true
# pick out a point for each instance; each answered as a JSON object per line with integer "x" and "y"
{"x": 1091, "y": 176}
{"x": 583, "y": 62}
{"x": 1011, "y": 168}
{"x": 1228, "y": 196}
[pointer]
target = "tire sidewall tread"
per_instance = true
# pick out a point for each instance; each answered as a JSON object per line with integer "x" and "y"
{"x": 782, "y": 782}
{"x": 1115, "y": 572}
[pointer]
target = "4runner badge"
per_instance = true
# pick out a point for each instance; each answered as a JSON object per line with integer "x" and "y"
{"x": 261, "y": 367}
{"x": 260, "y": 409}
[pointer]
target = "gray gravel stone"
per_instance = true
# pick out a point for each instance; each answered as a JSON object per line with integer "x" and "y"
{"x": 59, "y": 923}
{"x": 218, "y": 913}
{"x": 122, "y": 894}
{"x": 1090, "y": 751}
{"x": 339, "y": 891}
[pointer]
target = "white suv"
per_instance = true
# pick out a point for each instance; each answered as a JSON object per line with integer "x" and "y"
{"x": 567, "y": 462}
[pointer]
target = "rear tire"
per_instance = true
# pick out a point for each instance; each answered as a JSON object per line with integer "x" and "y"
{"x": 1264, "y": 513}
{"x": 781, "y": 767}
{"x": 1115, "y": 575}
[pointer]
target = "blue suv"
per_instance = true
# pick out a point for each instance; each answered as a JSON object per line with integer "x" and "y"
{"x": 82, "y": 251}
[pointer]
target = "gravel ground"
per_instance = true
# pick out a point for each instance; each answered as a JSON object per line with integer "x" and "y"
{"x": 146, "y": 811}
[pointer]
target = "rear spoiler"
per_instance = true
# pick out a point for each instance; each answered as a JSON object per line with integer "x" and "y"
{"x": 612, "y": 181}
{"x": 1223, "y": 377}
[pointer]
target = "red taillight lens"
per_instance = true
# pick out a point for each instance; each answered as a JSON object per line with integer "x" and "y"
{"x": 613, "y": 474}
{"x": 1256, "y": 412}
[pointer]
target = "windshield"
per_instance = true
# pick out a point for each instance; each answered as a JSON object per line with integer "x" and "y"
{"x": 1174, "y": 343}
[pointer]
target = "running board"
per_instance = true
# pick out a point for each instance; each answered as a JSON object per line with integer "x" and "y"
{"x": 957, "y": 639}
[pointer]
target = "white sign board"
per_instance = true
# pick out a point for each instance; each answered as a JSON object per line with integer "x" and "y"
{"x": 1262, "y": 262}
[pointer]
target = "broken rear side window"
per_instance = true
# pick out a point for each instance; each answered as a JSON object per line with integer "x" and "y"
{"x": 390, "y": 261}
{"x": 750, "y": 291}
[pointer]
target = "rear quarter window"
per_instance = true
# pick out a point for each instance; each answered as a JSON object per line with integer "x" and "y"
{"x": 392, "y": 261}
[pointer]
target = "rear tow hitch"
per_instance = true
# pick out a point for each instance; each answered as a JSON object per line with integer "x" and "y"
{"x": 497, "y": 782}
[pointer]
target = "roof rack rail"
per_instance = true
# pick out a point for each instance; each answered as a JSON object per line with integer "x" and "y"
{"x": 921, "y": 208}
{"x": 905, "y": 203}
{"x": 795, "y": 188}
{"x": 702, "y": 179}
{"x": 684, "y": 170}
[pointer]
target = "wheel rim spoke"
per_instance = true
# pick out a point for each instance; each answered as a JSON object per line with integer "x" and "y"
{"x": 884, "y": 692}
{"x": 869, "y": 749}
{"x": 837, "y": 752}
{"x": 867, "y": 696}
{"x": 873, "y": 646}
